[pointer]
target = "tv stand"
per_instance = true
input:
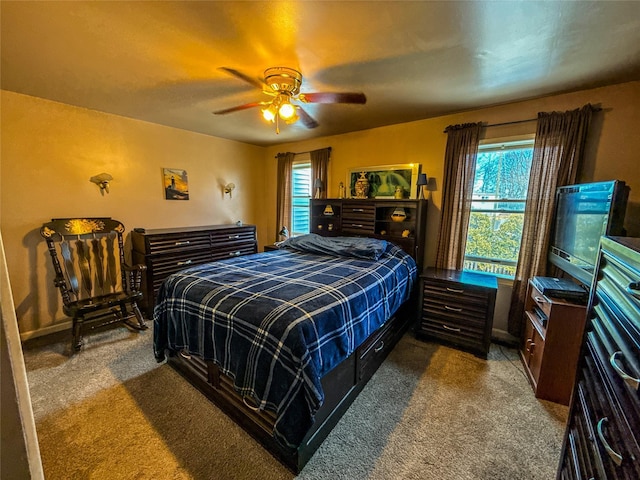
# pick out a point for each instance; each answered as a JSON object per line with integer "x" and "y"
{"x": 551, "y": 346}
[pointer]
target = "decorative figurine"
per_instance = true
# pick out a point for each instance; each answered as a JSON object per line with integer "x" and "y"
{"x": 362, "y": 186}
{"x": 399, "y": 193}
{"x": 341, "y": 190}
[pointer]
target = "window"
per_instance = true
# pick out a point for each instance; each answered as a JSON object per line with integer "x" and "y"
{"x": 300, "y": 195}
{"x": 497, "y": 208}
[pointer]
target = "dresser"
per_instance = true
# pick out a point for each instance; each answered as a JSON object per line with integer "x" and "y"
{"x": 400, "y": 221}
{"x": 603, "y": 431}
{"x": 553, "y": 329}
{"x": 169, "y": 250}
{"x": 457, "y": 308}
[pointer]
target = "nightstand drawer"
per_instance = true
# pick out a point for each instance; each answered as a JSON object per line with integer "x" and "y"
{"x": 457, "y": 308}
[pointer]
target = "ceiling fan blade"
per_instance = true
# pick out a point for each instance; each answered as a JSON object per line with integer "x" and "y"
{"x": 307, "y": 120}
{"x": 256, "y": 82}
{"x": 240, "y": 107}
{"x": 325, "y": 97}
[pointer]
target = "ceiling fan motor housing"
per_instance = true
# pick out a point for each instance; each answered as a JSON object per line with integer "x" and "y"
{"x": 283, "y": 80}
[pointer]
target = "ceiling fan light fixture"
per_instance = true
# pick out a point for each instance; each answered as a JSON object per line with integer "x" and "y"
{"x": 286, "y": 110}
{"x": 269, "y": 113}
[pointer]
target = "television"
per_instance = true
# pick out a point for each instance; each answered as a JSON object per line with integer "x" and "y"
{"x": 583, "y": 214}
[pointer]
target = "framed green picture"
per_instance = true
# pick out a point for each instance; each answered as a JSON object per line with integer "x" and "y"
{"x": 384, "y": 181}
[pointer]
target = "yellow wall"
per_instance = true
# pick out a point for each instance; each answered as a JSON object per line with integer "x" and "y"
{"x": 613, "y": 151}
{"x": 49, "y": 151}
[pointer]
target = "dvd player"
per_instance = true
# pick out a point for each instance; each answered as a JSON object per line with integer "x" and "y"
{"x": 560, "y": 288}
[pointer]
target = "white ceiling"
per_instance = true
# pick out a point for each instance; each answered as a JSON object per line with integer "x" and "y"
{"x": 158, "y": 61}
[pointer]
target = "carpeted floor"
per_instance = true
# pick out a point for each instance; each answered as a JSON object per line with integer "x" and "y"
{"x": 430, "y": 412}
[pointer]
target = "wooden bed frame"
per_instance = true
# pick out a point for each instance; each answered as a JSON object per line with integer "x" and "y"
{"x": 342, "y": 384}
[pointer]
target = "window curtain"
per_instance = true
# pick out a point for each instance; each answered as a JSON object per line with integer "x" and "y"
{"x": 557, "y": 156}
{"x": 283, "y": 212}
{"x": 319, "y": 168}
{"x": 459, "y": 172}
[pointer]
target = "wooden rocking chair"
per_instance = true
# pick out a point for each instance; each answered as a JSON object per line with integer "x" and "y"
{"x": 96, "y": 285}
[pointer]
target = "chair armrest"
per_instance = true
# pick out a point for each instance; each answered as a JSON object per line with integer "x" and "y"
{"x": 133, "y": 268}
{"x": 135, "y": 275}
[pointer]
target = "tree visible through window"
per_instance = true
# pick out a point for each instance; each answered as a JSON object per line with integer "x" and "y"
{"x": 497, "y": 208}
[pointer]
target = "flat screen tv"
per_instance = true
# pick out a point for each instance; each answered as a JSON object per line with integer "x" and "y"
{"x": 583, "y": 214}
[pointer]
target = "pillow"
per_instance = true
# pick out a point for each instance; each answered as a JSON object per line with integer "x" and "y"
{"x": 357, "y": 247}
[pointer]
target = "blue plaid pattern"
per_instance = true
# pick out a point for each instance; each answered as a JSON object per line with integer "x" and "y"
{"x": 277, "y": 322}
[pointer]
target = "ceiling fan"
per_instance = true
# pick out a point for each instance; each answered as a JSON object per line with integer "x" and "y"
{"x": 283, "y": 84}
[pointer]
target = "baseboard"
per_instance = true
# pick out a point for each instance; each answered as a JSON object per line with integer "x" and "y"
{"x": 41, "y": 332}
{"x": 503, "y": 337}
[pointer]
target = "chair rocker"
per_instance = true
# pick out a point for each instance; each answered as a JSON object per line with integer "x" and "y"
{"x": 97, "y": 286}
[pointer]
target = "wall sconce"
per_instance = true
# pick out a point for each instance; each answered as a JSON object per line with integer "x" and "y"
{"x": 228, "y": 188}
{"x": 102, "y": 180}
{"x": 318, "y": 186}
{"x": 422, "y": 182}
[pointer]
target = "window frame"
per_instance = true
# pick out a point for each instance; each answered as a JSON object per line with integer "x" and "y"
{"x": 492, "y": 145}
{"x": 301, "y": 161}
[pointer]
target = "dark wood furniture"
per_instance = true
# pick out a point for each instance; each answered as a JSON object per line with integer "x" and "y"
{"x": 457, "y": 308}
{"x": 168, "y": 250}
{"x": 603, "y": 432}
{"x": 96, "y": 284}
{"x": 372, "y": 218}
{"x": 551, "y": 344}
{"x": 341, "y": 385}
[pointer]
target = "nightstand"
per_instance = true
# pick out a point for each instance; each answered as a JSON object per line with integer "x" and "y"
{"x": 457, "y": 308}
{"x": 270, "y": 248}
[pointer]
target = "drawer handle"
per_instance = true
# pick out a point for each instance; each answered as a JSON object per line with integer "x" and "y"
{"x": 379, "y": 349}
{"x": 634, "y": 289}
{"x": 539, "y": 299}
{"x": 251, "y": 407}
{"x": 628, "y": 379}
{"x": 453, "y": 309}
{"x": 455, "y": 290}
{"x": 615, "y": 456}
{"x": 359, "y": 210}
{"x": 447, "y": 327}
{"x": 186, "y": 262}
{"x": 233, "y": 237}
{"x": 185, "y": 355}
{"x": 186, "y": 242}
{"x": 531, "y": 346}
{"x": 357, "y": 225}
{"x": 235, "y": 254}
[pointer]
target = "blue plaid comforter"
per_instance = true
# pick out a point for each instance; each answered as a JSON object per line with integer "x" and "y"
{"x": 277, "y": 322}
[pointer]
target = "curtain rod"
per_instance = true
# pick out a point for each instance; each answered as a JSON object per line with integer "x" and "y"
{"x": 595, "y": 109}
{"x": 308, "y": 151}
{"x": 510, "y": 123}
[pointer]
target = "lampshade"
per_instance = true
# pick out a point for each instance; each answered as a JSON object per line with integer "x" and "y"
{"x": 422, "y": 181}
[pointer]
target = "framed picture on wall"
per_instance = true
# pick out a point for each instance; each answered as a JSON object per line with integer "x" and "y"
{"x": 384, "y": 181}
{"x": 176, "y": 184}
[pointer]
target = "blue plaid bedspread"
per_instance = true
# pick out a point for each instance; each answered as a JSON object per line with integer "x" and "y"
{"x": 277, "y": 322}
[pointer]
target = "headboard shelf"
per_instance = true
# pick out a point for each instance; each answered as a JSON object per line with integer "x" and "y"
{"x": 400, "y": 221}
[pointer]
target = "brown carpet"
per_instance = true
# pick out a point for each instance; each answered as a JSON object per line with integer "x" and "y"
{"x": 430, "y": 412}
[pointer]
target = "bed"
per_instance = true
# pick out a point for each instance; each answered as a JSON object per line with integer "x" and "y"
{"x": 284, "y": 341}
